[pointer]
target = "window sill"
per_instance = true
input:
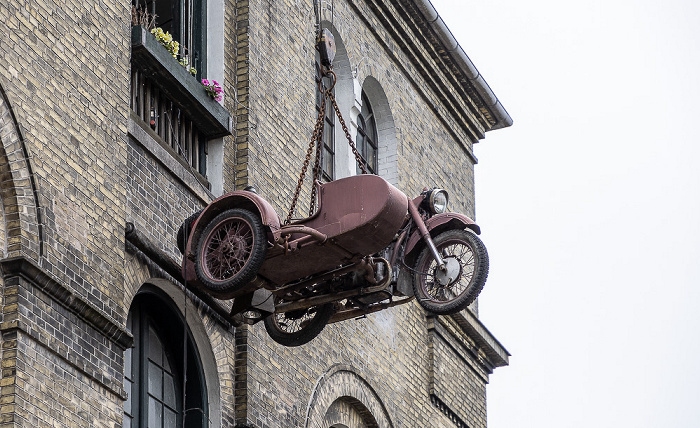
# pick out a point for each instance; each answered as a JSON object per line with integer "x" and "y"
{"x": 148, "y": 55}
{"x": 141, "y": 133}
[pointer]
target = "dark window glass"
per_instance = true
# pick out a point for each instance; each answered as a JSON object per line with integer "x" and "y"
{"x": 367, "y": 136}
{"x": 153, "y": 369}
{"x": 328, "y": 153}
{"x": 185, "y": 20}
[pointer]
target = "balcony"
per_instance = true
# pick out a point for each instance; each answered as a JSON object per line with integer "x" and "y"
{"x": 172, "y": 103}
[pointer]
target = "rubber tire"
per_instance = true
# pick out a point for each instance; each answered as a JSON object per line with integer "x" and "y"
{"x": 306, "y": 334}
{"x": 470, "y": 292}
{"x": 225, "y": 288}
{"x": 187, "y": 224}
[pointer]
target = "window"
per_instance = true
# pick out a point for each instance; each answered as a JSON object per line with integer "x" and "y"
{"x": 153, "y": 368}
{"x": 185, "y": 20}
{"x": 178, "y": 120}
{"x": 328, "y": 154}
{"x": 367, "y": 136}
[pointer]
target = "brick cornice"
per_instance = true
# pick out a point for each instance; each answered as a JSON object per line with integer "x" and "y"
{"x": 456, "y": 116}
{"x": 484, "y": 340}
{"x": 64, "y": 295}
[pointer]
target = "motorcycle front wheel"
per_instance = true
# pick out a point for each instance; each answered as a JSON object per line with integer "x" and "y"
{"x": 230, "y": 252}
{"x": 448, "y": 291}
{"x": 298, "y": 327}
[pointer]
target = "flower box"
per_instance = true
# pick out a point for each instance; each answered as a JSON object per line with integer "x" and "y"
{"x": 150, "y": 57}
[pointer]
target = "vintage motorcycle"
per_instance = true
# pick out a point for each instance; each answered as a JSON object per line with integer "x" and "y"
{"x": 367, "y": 248}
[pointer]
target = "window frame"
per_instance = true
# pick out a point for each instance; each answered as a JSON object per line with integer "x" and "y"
{"x": 364, "y": 140}
{"x": 328, "y": 153}
{"x": 192, "y": 37}
{"x": 167, "y": 325}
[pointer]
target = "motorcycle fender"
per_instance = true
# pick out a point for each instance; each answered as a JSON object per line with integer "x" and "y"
{"x": 439, "y": 223}
{"x": 238, "y": 199}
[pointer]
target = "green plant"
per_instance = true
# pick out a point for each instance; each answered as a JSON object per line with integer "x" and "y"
{"x": 184, "y": 61}
{"x": 166, "y": 39}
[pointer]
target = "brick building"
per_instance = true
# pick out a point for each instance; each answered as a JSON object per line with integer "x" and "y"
{"x": 97, "y": 330}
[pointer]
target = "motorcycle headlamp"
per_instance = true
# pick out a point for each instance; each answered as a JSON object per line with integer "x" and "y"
{"x": 437, "y": 201}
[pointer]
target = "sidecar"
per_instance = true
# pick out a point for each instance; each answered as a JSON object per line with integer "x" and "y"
{"x": 237, "y": 244}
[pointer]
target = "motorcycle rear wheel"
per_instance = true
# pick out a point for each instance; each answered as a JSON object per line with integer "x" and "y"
{"x": 299, "y": 327}
{"x": 230, "y": 252}
{"x": 445, "y": 293}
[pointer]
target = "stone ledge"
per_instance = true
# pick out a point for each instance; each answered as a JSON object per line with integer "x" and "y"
{"x": 27, "y": 269}
{"x": 482, "y": 337}
{"x": 147, "y": 54}
{"x": 153, "y": 144}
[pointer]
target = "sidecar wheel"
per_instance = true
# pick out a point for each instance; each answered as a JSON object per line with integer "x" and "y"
{"x": 230, "y": 252}
{"x": 467, "y": 264}
{"x": 298, "y": 327}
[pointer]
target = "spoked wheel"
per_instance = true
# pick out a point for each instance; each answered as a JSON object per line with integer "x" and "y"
{"x": 466, "y": 268}
{"x": 230, "y": 252}
{"x": 298, "y": 327}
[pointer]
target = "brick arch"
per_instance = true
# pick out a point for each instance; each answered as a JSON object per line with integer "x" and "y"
{"x": 349, "y": 412}
{"x": 169, "y": 292}
{"x": 386, "y": 130}
{"x": 343, "y": 386}
{"x": 3, "y": 222}
{"x": 344, "y": 88}
{"x": 19, "y": 218}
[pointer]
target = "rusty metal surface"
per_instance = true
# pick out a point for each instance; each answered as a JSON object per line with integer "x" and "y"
{"x": 316, "y": 141}
{"x": 442, "y": 221}
{"x": 350, "y": 313}
{"x": 360, "y": 215}
{"x": 325, "y": 297}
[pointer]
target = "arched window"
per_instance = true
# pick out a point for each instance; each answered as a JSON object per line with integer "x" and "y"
{"x": 328, "y": 154}
{"x": 153, "y": 372}
{"x": 367, "y": 136}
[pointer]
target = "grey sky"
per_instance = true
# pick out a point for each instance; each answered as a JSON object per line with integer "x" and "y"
{"x": 590, "y": 209}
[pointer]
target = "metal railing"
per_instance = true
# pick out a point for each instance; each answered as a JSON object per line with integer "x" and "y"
{"x": 172, "y": 124}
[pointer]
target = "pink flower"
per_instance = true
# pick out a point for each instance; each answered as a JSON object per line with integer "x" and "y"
{"x": 213, "y": 89}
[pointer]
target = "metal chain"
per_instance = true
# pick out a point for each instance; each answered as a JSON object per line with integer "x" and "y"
{"x": 317, "y": 129}
{"x": 318, "y": 170}
{"x": 358, "y": 158}
{"x": 317, "y": 138}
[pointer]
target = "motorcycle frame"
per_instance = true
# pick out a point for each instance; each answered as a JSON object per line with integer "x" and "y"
{"x": 415, "y": 229}
{"x": 421, "y": 229}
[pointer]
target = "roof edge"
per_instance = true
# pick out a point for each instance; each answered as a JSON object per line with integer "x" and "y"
{"x": 461, "y": 59}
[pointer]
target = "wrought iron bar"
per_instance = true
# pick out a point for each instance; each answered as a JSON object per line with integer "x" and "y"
{"x": 173, "y": 125}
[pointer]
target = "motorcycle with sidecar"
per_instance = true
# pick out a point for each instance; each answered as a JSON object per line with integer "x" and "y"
{"x": 368, "y": 247}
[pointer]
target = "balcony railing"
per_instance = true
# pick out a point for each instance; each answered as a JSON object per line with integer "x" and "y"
{"x": 172, "y": 102}
{"x": 172, "y": 124}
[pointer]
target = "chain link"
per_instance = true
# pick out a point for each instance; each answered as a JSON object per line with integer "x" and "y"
{"x": 318, "y": 129}
{"x": 318, "y": 170}
{"x": 358, "y": 157}
{"x": 317, "y": 140}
